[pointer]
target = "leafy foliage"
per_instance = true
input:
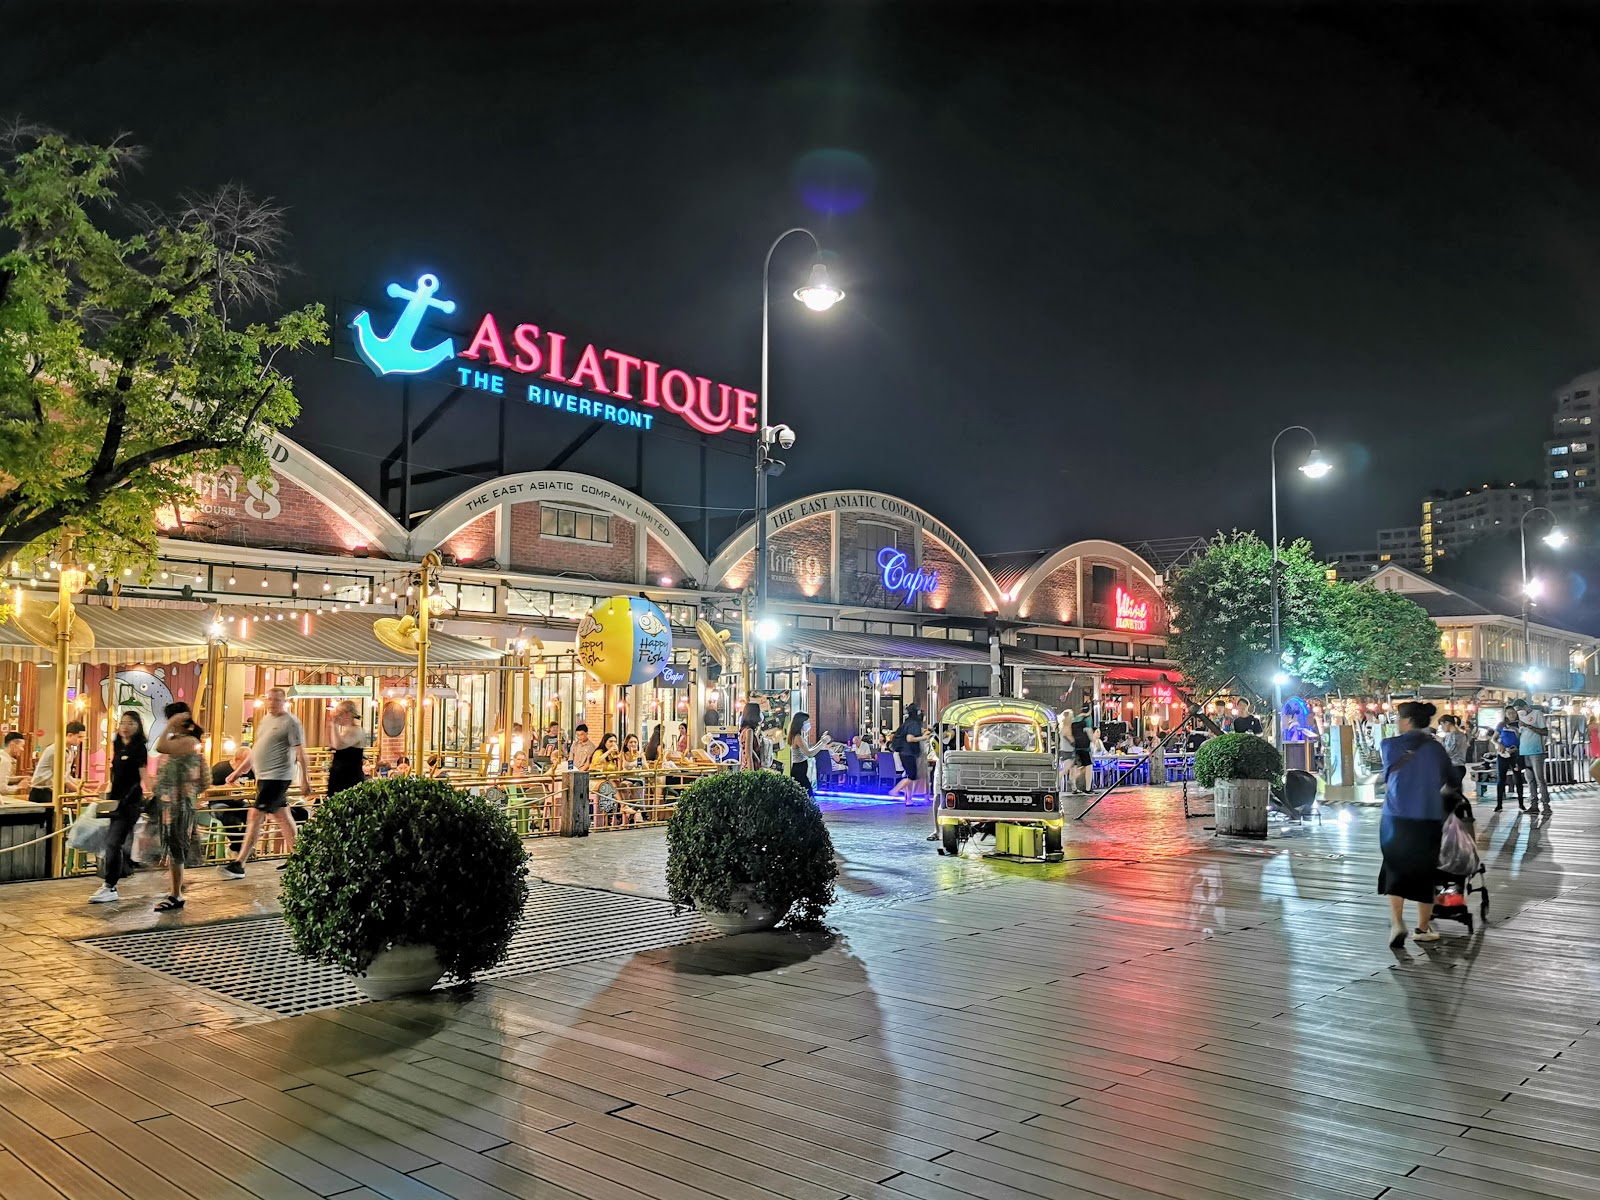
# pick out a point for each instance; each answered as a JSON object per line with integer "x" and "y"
{"x": 125, "y": 363}
{"x": 406, "y": 861}
{"x": 1392, "y": 644}
{"x": 1237, "y": 756}
{"x": 1222, "y": 610}
{"x": 751, "y": 832}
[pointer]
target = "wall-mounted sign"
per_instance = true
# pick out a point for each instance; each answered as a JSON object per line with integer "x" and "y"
{"x": 1132, "y": 614}
{"x": 887, "y": 675}
{"x": 632, "y": 386}
{"x": 672, "y": 677}
{"x": 899, "y": 576}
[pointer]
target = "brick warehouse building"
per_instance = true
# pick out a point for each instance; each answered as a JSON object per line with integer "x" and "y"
{"x": 880, "y": 603}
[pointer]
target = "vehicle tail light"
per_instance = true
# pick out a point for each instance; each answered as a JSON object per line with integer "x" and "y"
{"x": 949, "y": 799}
{"x": 1050, "y": 803}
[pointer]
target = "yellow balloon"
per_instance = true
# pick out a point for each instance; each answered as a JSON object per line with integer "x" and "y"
{"x": 624, "y": 640}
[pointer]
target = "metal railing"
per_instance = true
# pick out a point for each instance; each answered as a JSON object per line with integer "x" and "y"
{"x": 618, "y": 800}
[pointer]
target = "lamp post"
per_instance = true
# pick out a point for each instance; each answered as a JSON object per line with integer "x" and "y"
{"x": 1531, "y": 588}
{"x": 819, "y": 295}
{"x": 1314, "y": 467}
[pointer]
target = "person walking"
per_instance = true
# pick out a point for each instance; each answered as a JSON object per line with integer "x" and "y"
{"x": 800, "y": 755}
{"x": 180, "y": 781}
{"x": 1416, "y": 770}
{"x": 1082, "y": 773}
{"x": 279, "y": 746}
{"x": 130, "y": 757}
{"x": 349, "y": 741}
{"x": 1530, "y": 744}
{"x": 907, "y": 743}
{"x": 1507, "y": 760}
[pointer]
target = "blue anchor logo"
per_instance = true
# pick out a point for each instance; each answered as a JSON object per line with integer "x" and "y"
{"x": 395, "y": 355}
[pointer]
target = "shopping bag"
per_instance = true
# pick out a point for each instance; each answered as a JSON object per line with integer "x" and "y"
{"x": 89, "y": 831}
{"x": 147, "y": 847}
{"x": 1458, "y": 853}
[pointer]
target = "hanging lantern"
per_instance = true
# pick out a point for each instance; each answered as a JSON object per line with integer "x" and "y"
{"x": 624, "y": 640}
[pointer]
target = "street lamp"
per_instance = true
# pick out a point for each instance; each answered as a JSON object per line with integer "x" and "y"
{"x": 1314, "y": 467}
{"x": 1533, "y": 588}
{"x": 819, "y": 295}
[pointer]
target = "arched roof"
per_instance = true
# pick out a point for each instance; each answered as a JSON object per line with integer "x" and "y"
{"x": 565, "y": 487}
{"x": 1050, "y": 563}
{"x": 863, "y": 503}
{"x": 338, "y": 493}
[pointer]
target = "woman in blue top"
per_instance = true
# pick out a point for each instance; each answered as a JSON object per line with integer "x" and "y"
{"x": 1415, "y": 770}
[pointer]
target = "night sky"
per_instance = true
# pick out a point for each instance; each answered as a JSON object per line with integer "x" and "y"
{"x": 1095, "y": 257}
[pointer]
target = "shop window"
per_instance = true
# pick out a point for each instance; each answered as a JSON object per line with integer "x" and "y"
{"x": 528, "y": 602}
{"x": 469, "y": 597}
{"x": 882, "y": 627}
{"x": 573, "y": 523}
{"x": 844, "y": 625}
{"x": 682, "y": 616}
{"x": 815, "y": 623}
{"x": 903, "y": 630}
{"x": 962, "y": 635}
{"x": 570, "y": 605}
{"x": 871, "y": 538}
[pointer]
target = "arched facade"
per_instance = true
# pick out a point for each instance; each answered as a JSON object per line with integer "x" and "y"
{"x": 1090, "y": 584}
{"x": 863, "y": 549}
{"x": 546, "y": 522}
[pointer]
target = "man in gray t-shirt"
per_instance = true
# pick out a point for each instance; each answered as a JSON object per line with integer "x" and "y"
{"x": 279, "y": 746}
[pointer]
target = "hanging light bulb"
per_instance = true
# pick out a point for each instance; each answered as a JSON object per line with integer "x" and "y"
{"x": 164, "y": 575}
{"x": 326, "y": 586}
{"x": 263, "y": 581}
{"x": 294, "y": 582}
{"x": 231, "y": 579}
{"x": 199, "y": 578}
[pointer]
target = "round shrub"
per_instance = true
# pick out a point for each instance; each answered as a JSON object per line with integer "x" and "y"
{"x": 1237, "y": 756}
{"x": 754, "y": 835}
{"x": 405, "y": 861}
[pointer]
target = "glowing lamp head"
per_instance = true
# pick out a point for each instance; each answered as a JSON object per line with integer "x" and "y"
{"x": 1531, "y": 678}
{"x": 1556, "y": 538}
{"x": 819, "y": 294}
{"x": 1280, "y": 679}
{"x": 1315, "y": 466}
{"x": 1534, "y": 588}
{"x": 766, "y": 629}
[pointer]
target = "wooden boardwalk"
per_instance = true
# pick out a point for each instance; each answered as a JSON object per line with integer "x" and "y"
{"x": 1226, "y": 1023}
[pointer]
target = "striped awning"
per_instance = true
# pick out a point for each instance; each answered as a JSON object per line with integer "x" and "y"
{"x": 167, "y": 635}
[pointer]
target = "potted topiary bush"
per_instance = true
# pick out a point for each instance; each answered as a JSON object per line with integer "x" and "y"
{"x": 1242, "y": 768}
{"x": 749, "y": 849}
{"x": 402, "y": 880}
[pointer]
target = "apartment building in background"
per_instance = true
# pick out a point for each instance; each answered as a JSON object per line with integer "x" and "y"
{"x": 1572, "y": 455}
{"x": 1452, "y": 521}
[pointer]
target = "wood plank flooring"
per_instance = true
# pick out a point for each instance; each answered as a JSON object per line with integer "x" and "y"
{"x": 1222, "y": 1024}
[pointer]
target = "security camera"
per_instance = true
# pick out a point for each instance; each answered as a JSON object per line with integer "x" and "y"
{"x": 780, "y": 435}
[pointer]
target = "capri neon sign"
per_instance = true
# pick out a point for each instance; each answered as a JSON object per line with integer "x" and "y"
{"x": 898, "y": 575}
{"x": 1132, "y": 614}
{"x": 632, "y": 386}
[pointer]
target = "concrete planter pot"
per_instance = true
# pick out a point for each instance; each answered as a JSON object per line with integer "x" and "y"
{"x": 756, "y": 916}
{"x": 1242, "y": 807}
{"x": 400, "y": 971}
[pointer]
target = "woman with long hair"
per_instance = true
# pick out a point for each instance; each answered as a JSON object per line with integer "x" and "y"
{"x": 632, "y": 756}
{"x": 129, "y": 759}
{"x": 652, "y": 748}
{"x": 348, "y": 741}
{"x": 1416, "y": 769}
{"x": 180, "y": 781}
{"x": 752, "y": 746}
{"x": 801, "y": 755}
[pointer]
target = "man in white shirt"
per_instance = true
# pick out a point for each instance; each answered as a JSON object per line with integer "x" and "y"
{"x": 43, "y": 781}
{"x": 10, "y": 776}
{"x": 278, "y": 747}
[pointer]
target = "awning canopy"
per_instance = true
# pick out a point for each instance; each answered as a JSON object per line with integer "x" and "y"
{"x": 149, "y": 634}
{"x": 866, "y": 650}
{"x": 1165, "y": 675}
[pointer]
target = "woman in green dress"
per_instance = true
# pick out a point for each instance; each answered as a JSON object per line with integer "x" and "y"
{"x": 182, "y": 778}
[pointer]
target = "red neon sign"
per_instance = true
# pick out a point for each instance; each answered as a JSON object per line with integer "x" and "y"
{"x": 1132, "y": 614}
{"x": 708, "y": 406}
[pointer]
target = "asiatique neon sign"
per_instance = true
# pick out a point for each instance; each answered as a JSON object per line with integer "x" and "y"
{"x": 630, "y": 384}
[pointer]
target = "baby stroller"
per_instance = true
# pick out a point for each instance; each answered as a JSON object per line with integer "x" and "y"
{"x": 1461, "y": 869}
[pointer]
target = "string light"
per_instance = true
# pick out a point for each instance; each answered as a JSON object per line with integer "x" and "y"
{"x": 231, "y": 579}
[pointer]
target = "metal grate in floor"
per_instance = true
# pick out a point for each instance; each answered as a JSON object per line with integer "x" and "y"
{"x": 252, "y": 961}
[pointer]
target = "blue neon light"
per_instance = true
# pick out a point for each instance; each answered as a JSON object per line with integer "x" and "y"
{"x": 395, "y": 355}
{"x": 672, "y": 677}
{"x": 899, "y": 577}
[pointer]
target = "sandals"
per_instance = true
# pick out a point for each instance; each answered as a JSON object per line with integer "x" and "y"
{"x": 170, "y": 904}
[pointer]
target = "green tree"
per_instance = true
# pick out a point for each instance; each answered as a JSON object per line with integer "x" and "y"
{"x": 1395, "y": 642}
{"x": 1222, "y": 612}
{"x": 127, "y": 362}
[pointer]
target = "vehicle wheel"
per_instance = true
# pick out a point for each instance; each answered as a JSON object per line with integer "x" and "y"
{"x": 950, "y": 837}
{"x": 1052, "y": 841}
